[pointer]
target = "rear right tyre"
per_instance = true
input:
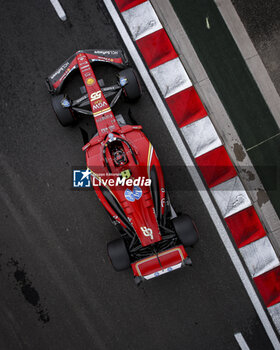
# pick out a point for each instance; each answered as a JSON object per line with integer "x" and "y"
{"x": 186, "y": 230}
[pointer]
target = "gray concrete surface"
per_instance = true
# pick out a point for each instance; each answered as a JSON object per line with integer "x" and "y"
{"x": 261, "y": 20}
{"x": 264, "y": 75}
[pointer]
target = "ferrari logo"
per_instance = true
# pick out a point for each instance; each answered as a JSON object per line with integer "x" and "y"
{"x": 147, "y": 232}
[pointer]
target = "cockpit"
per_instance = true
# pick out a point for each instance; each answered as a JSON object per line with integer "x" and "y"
{"x": 118, "y": 154}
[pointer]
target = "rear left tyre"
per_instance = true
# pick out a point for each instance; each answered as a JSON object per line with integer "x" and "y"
{"x": 186, "y": 230}
{"x": 62, "y": 109}
{"x": 118, "y": 254}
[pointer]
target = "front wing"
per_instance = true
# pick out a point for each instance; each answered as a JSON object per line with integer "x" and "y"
{"x": 56, "y": 79}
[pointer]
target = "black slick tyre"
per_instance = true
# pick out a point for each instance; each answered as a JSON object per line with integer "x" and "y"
{"x": 64, "y": 114}
{"x": 118, "y": 254}
{"x": 186, "y": 230}
{"x": 131, "y": 87}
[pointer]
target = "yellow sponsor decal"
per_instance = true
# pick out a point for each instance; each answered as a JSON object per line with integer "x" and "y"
{"x": 90, "y": 81}
{"x": 126, "y": 174}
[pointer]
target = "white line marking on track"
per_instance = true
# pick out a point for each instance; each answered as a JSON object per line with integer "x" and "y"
{"x": 194, "y": 173}
{"x": 258, "y": 144}
{"x": 241, "y": 341}
{"x": 207, "y": 23}
{"x": 59, "y": 10}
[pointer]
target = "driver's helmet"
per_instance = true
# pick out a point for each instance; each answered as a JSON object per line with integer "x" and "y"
{"x": 119, "y": 157}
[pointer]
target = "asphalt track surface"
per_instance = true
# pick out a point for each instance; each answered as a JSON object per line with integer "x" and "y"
{"x": 58, "y": 289}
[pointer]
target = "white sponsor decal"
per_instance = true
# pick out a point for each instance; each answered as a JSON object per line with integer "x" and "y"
{"x": 95, "y": 95}
{"x": 147, "y": 232}
{"x": 111, "y": 128}
{"x": 99, "y": 105}
{"x": 161, "y": 272}
{"x": 98, "y": 120}
{"x": 64, "y": 75}
{"x": 65, "y": 65}
{"x": 103, "y": 52}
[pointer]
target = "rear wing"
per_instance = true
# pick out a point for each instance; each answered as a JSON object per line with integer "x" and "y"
{"x": 56, "y": 79}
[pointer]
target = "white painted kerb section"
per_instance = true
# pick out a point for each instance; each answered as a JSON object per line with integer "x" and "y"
{"x": 231, "y": 197}
{"x": 142, "y": 20}
{"x": 274, "y": 311}
{"x": 171, "y": 77}
{"x": 259, "y": 256}
{"x": 201, "y": 136}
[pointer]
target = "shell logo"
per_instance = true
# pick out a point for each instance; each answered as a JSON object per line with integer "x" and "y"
{"x": 90, "y": 81}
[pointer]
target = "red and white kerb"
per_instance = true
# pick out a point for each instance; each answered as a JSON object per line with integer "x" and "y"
{"x": 207, "y": 148}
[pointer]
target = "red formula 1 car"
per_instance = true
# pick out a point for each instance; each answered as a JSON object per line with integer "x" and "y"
{"x": 125, "y": 170}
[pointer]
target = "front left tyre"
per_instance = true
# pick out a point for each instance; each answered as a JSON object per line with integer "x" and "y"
{"x": 118, "y": 254}
{"x": 62, "y": 108}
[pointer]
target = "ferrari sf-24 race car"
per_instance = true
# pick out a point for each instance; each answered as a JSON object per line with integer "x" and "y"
{"x": 125, "y": 170}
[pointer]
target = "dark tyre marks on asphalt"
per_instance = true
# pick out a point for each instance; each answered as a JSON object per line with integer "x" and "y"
{"x": 29, "y": 292}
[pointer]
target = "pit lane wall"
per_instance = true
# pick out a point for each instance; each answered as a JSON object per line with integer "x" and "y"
{"x": 207, "y": 149}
